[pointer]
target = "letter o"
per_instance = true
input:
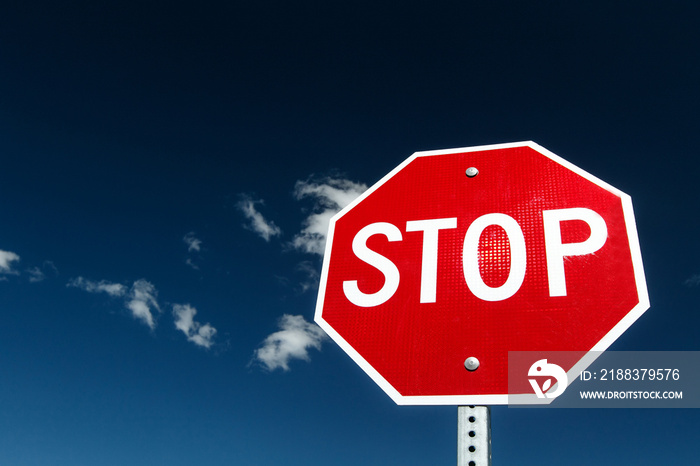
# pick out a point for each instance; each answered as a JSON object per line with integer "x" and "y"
{"x": 470, "y": 258}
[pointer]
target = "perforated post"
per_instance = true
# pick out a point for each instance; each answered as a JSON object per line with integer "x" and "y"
{"x": 473, "y": 436}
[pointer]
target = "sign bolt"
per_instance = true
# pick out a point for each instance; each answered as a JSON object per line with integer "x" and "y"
{"x": 472, "y": 172}
{"x": 471, "y": 364}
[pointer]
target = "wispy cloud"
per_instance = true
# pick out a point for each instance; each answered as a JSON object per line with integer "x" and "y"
{"x": 201, "y": 335}
{"x": 192, "y": 242}
{"x": 293, "y": 341}
{"x": 38, "y": 274}
{"x": 103, "y": 286}
{"x": 329, "y": 196}
{"x": 266, "y": 229}
{"x": 194, "y": 246}
{"x": 140, "y": 299}
{"x": 693, "y": 280}
{"x": 7, "y": 258}
{"x": 311, "y": 274}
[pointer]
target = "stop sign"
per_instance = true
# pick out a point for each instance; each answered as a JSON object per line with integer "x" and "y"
{"x": 472, "y": 253}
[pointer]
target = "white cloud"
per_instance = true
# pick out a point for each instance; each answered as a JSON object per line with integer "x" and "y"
{"x": 103, "y": 286}
{"x": 292, "y": 341}
{"x": 193, "y": 243}
{"x": 266, "y": 229}
{"x": 333, "y": 193}
{"x": 201, "y": 335}
{"x": 330, "y": 195}
{"x": 6, "y": 260}
{"x": 142, "y": 299}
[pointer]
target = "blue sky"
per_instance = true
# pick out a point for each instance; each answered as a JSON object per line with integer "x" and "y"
{"x": 167, "y": 171}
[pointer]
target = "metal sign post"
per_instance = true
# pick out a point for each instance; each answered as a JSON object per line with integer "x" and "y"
{"x": 473, "y": 436}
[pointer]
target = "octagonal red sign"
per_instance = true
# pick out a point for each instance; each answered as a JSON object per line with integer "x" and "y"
{"x": 475, "y": 252}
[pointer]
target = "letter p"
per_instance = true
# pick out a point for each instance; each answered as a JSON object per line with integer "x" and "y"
{"x": 556, "y": 251}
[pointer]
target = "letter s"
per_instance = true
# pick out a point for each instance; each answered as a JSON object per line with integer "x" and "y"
{"x": 376, "y": 260}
